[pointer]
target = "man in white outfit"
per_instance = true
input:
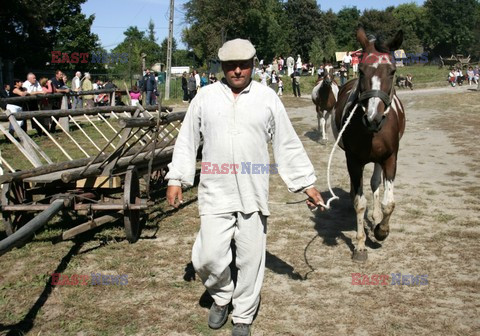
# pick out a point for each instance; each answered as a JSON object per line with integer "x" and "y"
{"x": 77, "y": 87}
{"x": 237, "y": 118}
{"x": 290, "y": 65}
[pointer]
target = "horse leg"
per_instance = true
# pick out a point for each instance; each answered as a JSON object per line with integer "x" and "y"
{"x": 375, "y": 184}
{"x": 355, "y": 170}
{"x": 322, "y": 124}
{"x": 319, "y": 127}
{"x": 388, "y": 204}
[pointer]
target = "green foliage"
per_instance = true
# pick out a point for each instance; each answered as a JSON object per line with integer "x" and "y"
{"x": 380, "y": 23}
{"x": 452, "y": 26}
{"x": 210, "y": 24}
{"x": 75, "y": 36}
{"x": 330, "y": 48}
{"x": 33, "y": 29}
{"x": 135, "y": 44}
{"x": 347, "y": 22}
{"x": 306, "y": 20}
{"x": 316, "y": 53}
{"x": 412, "y": 19}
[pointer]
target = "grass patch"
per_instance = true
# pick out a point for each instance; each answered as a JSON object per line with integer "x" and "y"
{"x": 444, "y": 218}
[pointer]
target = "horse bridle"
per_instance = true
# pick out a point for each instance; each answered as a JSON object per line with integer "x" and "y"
{"x": 387, "y": 100}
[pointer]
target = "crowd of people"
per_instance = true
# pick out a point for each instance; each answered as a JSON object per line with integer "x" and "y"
{"x": 456, "y": 76}
{"x": 193, "y": 82}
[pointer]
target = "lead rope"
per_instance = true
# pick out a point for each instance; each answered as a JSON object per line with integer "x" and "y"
{"x": 340, "y": 134}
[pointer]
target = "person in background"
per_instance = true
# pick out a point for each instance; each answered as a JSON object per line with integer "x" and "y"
{"x": 264, "y": 76}
{"x": 296, "y": 83}
{"x": 299, "y": 64}
{"x": 17, "y": 91}
{"x": 185, "y": 87}
{"x": 470, "y": 75}
{"x": 135, "y": 96}
{"x": 320, "y": 72}
{"x": 192, "y": 87}
{"x": 274, "y": 81}
{"x": 33, "y": 87}
{"x": 290, "y": 65}
{"x": 211, "y": 78}
{"x": 44, "y": 104}
{"x": 347, "y": 59}
{"x": 149, "y": 87}
{"x": 203, "y": 80}
{"x": 451, "y": 78}
{"x": 77, "y": 87}
{"x": 87, "y": 86}
{"x": 343, "y": 74}
{"x": 355, "y": 62}
{"x": 198, "y": 81}
{"x": 280, "y": 87}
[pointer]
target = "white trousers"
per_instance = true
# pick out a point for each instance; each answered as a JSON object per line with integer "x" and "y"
{"x": 212, "y": 255}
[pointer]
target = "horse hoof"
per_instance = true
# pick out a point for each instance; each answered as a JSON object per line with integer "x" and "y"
{"x": 360, "y": 256}
{"x": 380, "y": 234}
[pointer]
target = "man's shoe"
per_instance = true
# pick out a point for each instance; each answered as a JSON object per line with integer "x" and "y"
{"x": 218, "y": 316}
{"x": 241, "y": 329}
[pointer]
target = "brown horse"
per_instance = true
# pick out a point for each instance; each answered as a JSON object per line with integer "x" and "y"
{"x": 324, "y": 96}
{"x": 373, "y": 133}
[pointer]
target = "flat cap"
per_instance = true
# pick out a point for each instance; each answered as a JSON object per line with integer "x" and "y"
{"x": 236, "y": 50}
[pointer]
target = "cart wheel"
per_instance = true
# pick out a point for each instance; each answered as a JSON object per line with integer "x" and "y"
{"x": 15, "y": 193}
{"x": 131, "y": 195}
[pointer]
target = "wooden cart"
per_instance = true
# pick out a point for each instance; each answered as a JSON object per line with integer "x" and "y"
{"x": 103, "y": 186}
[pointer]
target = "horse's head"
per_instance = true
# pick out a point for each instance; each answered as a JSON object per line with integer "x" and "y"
{"x": 327, "y": 79}
{"x": 377, "y": 69}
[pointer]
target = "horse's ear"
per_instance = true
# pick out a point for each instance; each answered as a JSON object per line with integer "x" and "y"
{"x": 396, "y": 42}
{"x": 362, "y": 37}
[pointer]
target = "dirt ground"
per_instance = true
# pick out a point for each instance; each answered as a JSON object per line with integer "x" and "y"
{"x": 308, "y": 289}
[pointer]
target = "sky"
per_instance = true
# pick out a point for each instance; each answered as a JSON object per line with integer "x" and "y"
{"x": 113, "y": 17}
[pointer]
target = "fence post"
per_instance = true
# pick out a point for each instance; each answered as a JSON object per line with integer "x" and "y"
{"x": 64, "y": 120}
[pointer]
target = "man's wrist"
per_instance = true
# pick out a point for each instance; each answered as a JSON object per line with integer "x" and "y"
{"x": 308, "y": 187}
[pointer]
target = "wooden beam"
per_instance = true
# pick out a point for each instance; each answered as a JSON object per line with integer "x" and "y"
{"x": 91, "y": 225}
{"x": 25, "y": 115}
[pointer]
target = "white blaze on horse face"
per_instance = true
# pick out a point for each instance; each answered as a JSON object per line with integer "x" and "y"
{"x": 373, "y": 102}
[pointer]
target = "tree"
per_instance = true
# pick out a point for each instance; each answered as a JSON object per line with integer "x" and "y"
{"x": 151, "y": 31}
{"x": 33, "y": 29}
{"x": 316, "y": 53}
{"x": 347, "y": 22}
{"x": 135, "y": 44}
{"x": 163, "y": 49}
{"x": 382, "y": 24}
{"x": 451, "y": 26}
{"x": 330, "y": 48}
{"x": 412, "y": 20}
{"x": 213, "y": 22}
{"x": 305, "y": 18}
{"x": 75, "y": 36}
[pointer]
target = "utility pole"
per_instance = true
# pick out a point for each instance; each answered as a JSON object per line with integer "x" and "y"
{"x": 169, "y": 53}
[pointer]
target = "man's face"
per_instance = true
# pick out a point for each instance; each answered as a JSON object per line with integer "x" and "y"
{"x": 59, "y": 75}
{"x": 32, "y": 79}
{"x": 238, "y": 73}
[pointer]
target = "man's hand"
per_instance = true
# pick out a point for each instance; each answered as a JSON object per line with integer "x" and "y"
{"x": 315, "y": 199}
{"x": 174, "y": 192}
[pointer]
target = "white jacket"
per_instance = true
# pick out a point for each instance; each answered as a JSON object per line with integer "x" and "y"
{"x": 236, "y": 134}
